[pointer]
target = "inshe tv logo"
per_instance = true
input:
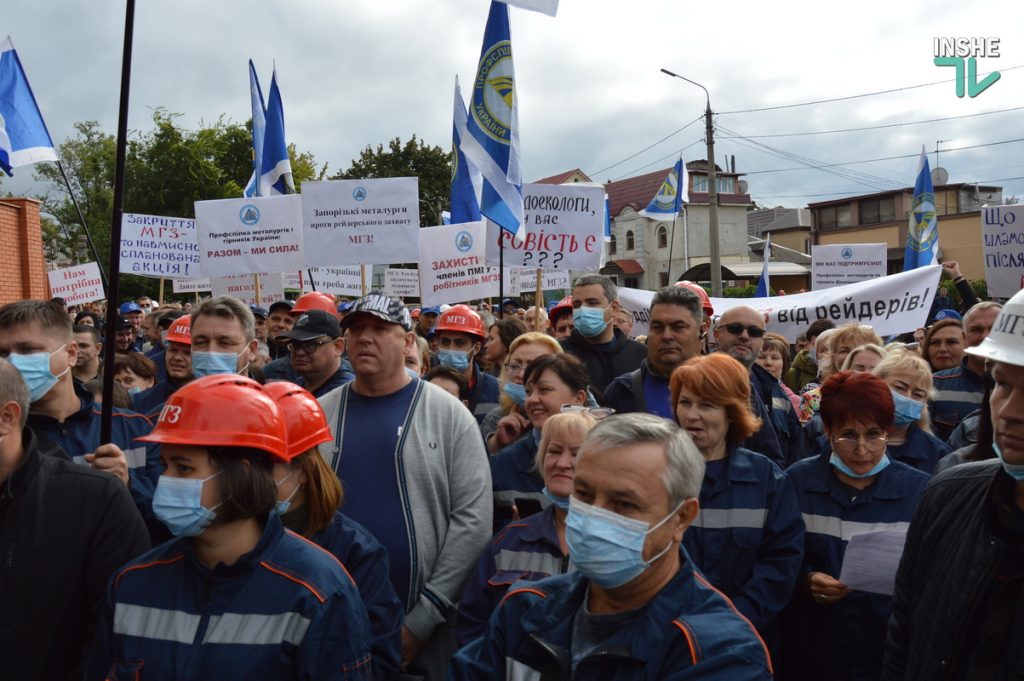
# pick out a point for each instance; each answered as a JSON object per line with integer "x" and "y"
{"x": 957, "y": 51}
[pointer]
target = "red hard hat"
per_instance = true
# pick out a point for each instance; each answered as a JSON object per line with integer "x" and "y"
{"x": 316, "y": 300}
{"x": 461, "y": 318}
{"x": 223, "y": 410}
{"x": 564, "y": 305}
{"x": 180, "y": 330}
{"x": 705, "y": 300}
{"x": 303, "y": 417}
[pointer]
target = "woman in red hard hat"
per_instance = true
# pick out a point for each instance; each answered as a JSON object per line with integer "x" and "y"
{"x": 309, "y": 495}
{"x": 234, "y": 596}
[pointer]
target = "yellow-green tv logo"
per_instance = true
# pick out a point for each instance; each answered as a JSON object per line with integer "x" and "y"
{"x": 959, "y": 52}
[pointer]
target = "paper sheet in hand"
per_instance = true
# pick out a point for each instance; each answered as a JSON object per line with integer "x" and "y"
{"x": 871, "y": 560}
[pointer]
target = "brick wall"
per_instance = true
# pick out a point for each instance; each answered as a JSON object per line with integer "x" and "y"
{"x": 22, "y": 267}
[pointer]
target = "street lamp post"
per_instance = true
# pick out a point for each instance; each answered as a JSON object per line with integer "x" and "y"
{"x": 713, "y": 247}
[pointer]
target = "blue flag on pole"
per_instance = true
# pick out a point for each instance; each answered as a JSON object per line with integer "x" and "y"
{"x": 24, "y": 138}
{"x": 259, "y": 124}
{"x": 671, "y": 195}
{"x": 276, "y": 168}
{"x": 466, "y": 180}
{"x": 764, "y": 287}
{"x": 607, "y": 218}
{"x": 923, "y": 230}
{"x": 492, "y": 144}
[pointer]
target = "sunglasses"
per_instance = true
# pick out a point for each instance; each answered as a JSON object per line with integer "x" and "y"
{"x": 736, "y": 329}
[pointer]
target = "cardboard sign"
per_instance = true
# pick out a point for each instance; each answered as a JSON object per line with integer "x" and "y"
{"x": 78, "y": 284}
{"x": 842, "y": 264}
{"x": 404, "y": 283}
{"x": 243, "y": 287}
{"x": 523, "y": 280}
{"x": 1002, "y": 233}
{"x": 192, "y": 285}
{"x": 154, "y": 246}
{"x": 452, "y": 264}
{"x": 361, "y": 222}
{"x": 243, "y": 236}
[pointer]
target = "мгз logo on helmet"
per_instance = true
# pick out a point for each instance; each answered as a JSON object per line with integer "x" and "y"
{"x": 494, "y": 92}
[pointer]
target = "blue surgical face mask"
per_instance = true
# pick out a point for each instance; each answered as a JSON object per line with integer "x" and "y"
{"x": 178, "y": 504}
{"x": 211, "y": 363}
{"x": 35, "y": 371}
{"x": 412, "y": 372}
{"x": 589, "y": 321}
{"x": 515, "y": 391}
{"x": 907, "y": 410}
{"x": 456, "y": 359}
{"x": 882, "y": 464}
{"x": 607, "y": 548}
{"x": 1014, "y": 470}
{"x": 283, "y": 505}
{"x": 560, "y": 502}
{"x": 136, "y": 390}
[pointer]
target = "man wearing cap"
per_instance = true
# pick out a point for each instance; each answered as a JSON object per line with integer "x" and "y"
{"x": 279, "y": 322}
{"x": 162, "y": 324}
{"x": 508, "y": 308}
{"x": 124, "y": 336}
{"x": 560, "y": 319}
{"x": 177, "y": 364}
{"x": 260, "y": 314}
{"x": 428, "y": 317}
{"x": 415, "y": 474}
{"x": 133, "y": 314}
{"x": 956, "y": 610}
{"x": 315, "y": 347}
{"x": 461, "y": 334}
{"x": 281, "y": 368}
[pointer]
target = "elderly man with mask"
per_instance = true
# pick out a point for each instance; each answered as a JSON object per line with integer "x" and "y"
{"x": 635, "y": 607}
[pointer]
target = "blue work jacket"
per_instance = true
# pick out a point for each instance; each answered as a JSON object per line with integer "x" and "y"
{"x": 958, "y": 392}
{"x": 921, "y": 450}
{"x": 151, "y": 400}
{"x": 514, "y": 477}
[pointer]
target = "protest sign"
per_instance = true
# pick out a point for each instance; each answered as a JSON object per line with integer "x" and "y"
{"x": 1002, "y": 231}
{"x": 296, "y": 281}
{"x": 890, "y": 305}
{"x": 842, "y": 264}
{"x": 154, "y": 246}
{"x": 78, "y": 284}
{"x": 242, "y": 236}
{"x": 564, "y": 229}
{"x": 404, "y": 283}
{"x": 243, "y": 287}
{"x": 341, "y": 281}
{"x": 192, "y": 285}
{"x": 520, "y": 280}
{"x": 452, "y": 267}
{"x": 361, "y": 222}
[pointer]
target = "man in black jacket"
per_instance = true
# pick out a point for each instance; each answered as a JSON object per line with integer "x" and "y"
{"x": 603, "y": 349}
{"x": 64, "y": 530}
{"x": 957, "y": 608}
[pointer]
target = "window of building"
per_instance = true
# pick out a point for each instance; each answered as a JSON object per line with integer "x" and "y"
{"x": 632, "y": 282}
{"x": 612, "y": 246}
{"x": 700, "y": 183}
{"x": 877, "y": 210}
{"x": 832, "y": 217}
{"x": 662, "y": 236}
{"x": 662, "y": 279}
{"x": 630, "y": 242}
{"x": 946, "y": 202}
{"x": 726, "y": 185}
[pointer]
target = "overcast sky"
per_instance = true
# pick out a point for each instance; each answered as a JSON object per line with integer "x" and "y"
{"x": 590, "y": 92}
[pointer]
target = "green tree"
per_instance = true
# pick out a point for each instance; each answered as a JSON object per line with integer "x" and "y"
{"x": 432, "y": 165}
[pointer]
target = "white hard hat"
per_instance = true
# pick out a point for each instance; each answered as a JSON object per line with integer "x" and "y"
{"x": 445, "y": 307}
{"x": 1005, "y": 343}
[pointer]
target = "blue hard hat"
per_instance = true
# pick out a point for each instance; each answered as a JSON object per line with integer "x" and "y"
{"x": 130, "y": 307}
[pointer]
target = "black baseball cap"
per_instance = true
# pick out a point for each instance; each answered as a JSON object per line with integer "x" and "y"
{"x": 258, "y": 311}
{"x": 314, "y": 324}
{"x": 381, "y": 306}
{"x": 286, "y": 304}
{"x": 123, "y": 323}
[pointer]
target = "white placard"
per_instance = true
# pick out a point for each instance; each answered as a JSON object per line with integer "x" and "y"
{"x": 522, "y": 280}
{"x": 243, "y": 287}
{"x": 361, "y": 222}
{"x": 1002, "y": 233}
{"x": 341, "y": 281}
{"x": 564, "y": 229}
{"x": 154, "y": 246}
{"x": 242, "y": 236}
{"x": 842, "y": 264}
{"x": 452, "y": 267}
{"x": 192, "y": 285}
{"x": 891, "y": 305}
{"x": 404, "y": 283}
{"x": 78, "y": 284}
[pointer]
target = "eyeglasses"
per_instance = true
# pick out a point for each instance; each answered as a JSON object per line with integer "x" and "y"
{"x": 514, "y": 369}
{"x": 307, "y": 347}
{"x": 736, "y": 329}
{"x": 847, "y": 445}
{"x": 597, "y": 412}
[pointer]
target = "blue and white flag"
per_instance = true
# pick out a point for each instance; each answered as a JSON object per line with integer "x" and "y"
{"x": 923, "y": 230}
{"x": 24, "y": 138}
{"x": 607, "y": 218}
{"x": 276, "y": 168}
{"x": 764, "y": 287}
{"x": 259, "y": 124}
{"x": 549, "y": 7}
{"x": 466, "y": 180}
{"x": 492, "y": 144}
{"x": 671, "y": 195}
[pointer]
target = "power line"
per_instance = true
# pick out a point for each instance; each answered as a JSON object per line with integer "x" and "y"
{"x": 657, "y": 161}
{"x": 672, "y": 134}
{"x": 852, "y": 193}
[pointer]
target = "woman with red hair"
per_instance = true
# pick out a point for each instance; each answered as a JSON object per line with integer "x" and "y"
{"x": 748, "y": 537}
{"x": 833, "y": 632}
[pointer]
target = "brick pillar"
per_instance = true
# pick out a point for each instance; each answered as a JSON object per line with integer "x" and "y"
{"x": 22, "y": 264}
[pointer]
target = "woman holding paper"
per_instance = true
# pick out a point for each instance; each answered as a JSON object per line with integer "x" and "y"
{"x": 832, "y": 630}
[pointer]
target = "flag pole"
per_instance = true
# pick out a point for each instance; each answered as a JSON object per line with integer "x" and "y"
{"x": 538, "y": 297}
{"x": 671, "y": 245}
{"x": 107, "y": 408}
{"x": 501, "y": 270}
{"x": 160, "y": 297}
{"x": 362, "y": 278}
{"x": 85, "y": 227}
{"x": 312, "y": 284}
{"x": 256, "y": 283}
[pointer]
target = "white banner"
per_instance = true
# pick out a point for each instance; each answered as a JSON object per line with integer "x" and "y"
{"x": 842, "y": 264}
{"x": 361, "y": 222}
{"x": 154, "y": 246}
{"x": 78, "y": 284}
{"x": 243, "y": 287}
{"x": 520, "y": 280}
{"x": 341, "y": 281}
{"x": 192, "y": 285}
{"x": 404, "y": 283}
{"x": 564, "y": 229}
{"x": 242, "y": 236}
{"x": 452, "y": 267}
{"x": 1002, "y": 231}
{"x": 890, "y": 305}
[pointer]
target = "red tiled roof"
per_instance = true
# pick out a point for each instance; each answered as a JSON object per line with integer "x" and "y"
{"x": 562, "y": 177}
{"x": 627, "y": 266}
